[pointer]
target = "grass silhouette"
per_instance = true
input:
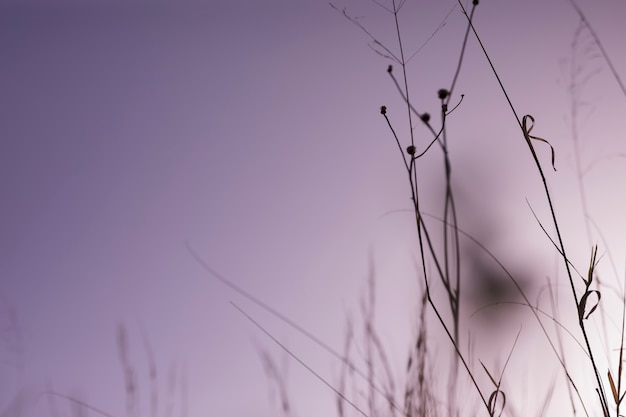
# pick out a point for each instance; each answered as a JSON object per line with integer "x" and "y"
{"x": 442, "y": 245}
{"x": 461, "y": 277}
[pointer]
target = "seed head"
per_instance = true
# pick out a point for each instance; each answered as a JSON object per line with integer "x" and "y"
{"x": 425, "y": 117}
{"x": 389, "y": 69}
{"x": 383, "y": 110}
{"x": 410, "y": 150}
{"x": 442, "y": 93}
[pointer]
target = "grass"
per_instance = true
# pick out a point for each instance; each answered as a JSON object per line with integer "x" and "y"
{"x": 460, "y": 278}
{"x": 167, "y": 397}
{"x": 485, "y": 386}
{"x": 456, "y": 377}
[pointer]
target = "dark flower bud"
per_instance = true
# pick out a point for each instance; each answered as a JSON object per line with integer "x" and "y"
{"x": 425, "y": 117}
{"x": 389, "y": 69}
{"x": 411, "y": 150}
{"x": 475, "y": 2}
{"x": 442, "y": 93}
{"x": 383, "y": 110}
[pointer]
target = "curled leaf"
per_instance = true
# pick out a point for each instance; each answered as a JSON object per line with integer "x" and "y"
{"x": 583, "y": 304}
{"x": 492, "y": 403}
{"x": 528, "y": 136}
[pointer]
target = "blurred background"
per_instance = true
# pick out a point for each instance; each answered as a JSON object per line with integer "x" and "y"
{"x": 251, "y": 132}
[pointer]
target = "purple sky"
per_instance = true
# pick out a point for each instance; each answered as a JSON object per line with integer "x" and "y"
{"x": 252, "y": 132}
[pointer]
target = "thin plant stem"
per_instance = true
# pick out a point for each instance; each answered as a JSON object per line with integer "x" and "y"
{"x": 600, "y": 388}
{"x": 300, "y": 361}
{"x": 225, "y": 281}
{"x": 596, "y": 38}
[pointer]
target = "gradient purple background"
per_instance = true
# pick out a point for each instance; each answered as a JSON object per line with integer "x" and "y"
{"x": 251, "y": 130}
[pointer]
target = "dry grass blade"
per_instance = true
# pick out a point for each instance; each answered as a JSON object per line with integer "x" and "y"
{"x": 613, "y": 388}
{"x": 130, "y": 376}
{"x": 79, "y": 403}
{"x": 152, "y": 370}
{"x": 279, "y": 378}
{"x": 605, "y": 55}
{"x": 548, "y": 398}
{"x": 493, "y": 380}
{"x": 582, "y": 305}
{"x": 528, "y": 136}
{"x": 556, "y": 246}
{"x": 493, "y": 402}
{"x": 300, "y": 361}
{"x": 592, "y": 265}
{"x": 225, "y": 281}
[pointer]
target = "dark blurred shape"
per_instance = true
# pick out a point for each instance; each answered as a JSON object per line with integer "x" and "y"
{"x": 493, "y": 297}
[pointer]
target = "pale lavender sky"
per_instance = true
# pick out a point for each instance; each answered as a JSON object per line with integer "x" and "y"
{"x": 251, "y": 130}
